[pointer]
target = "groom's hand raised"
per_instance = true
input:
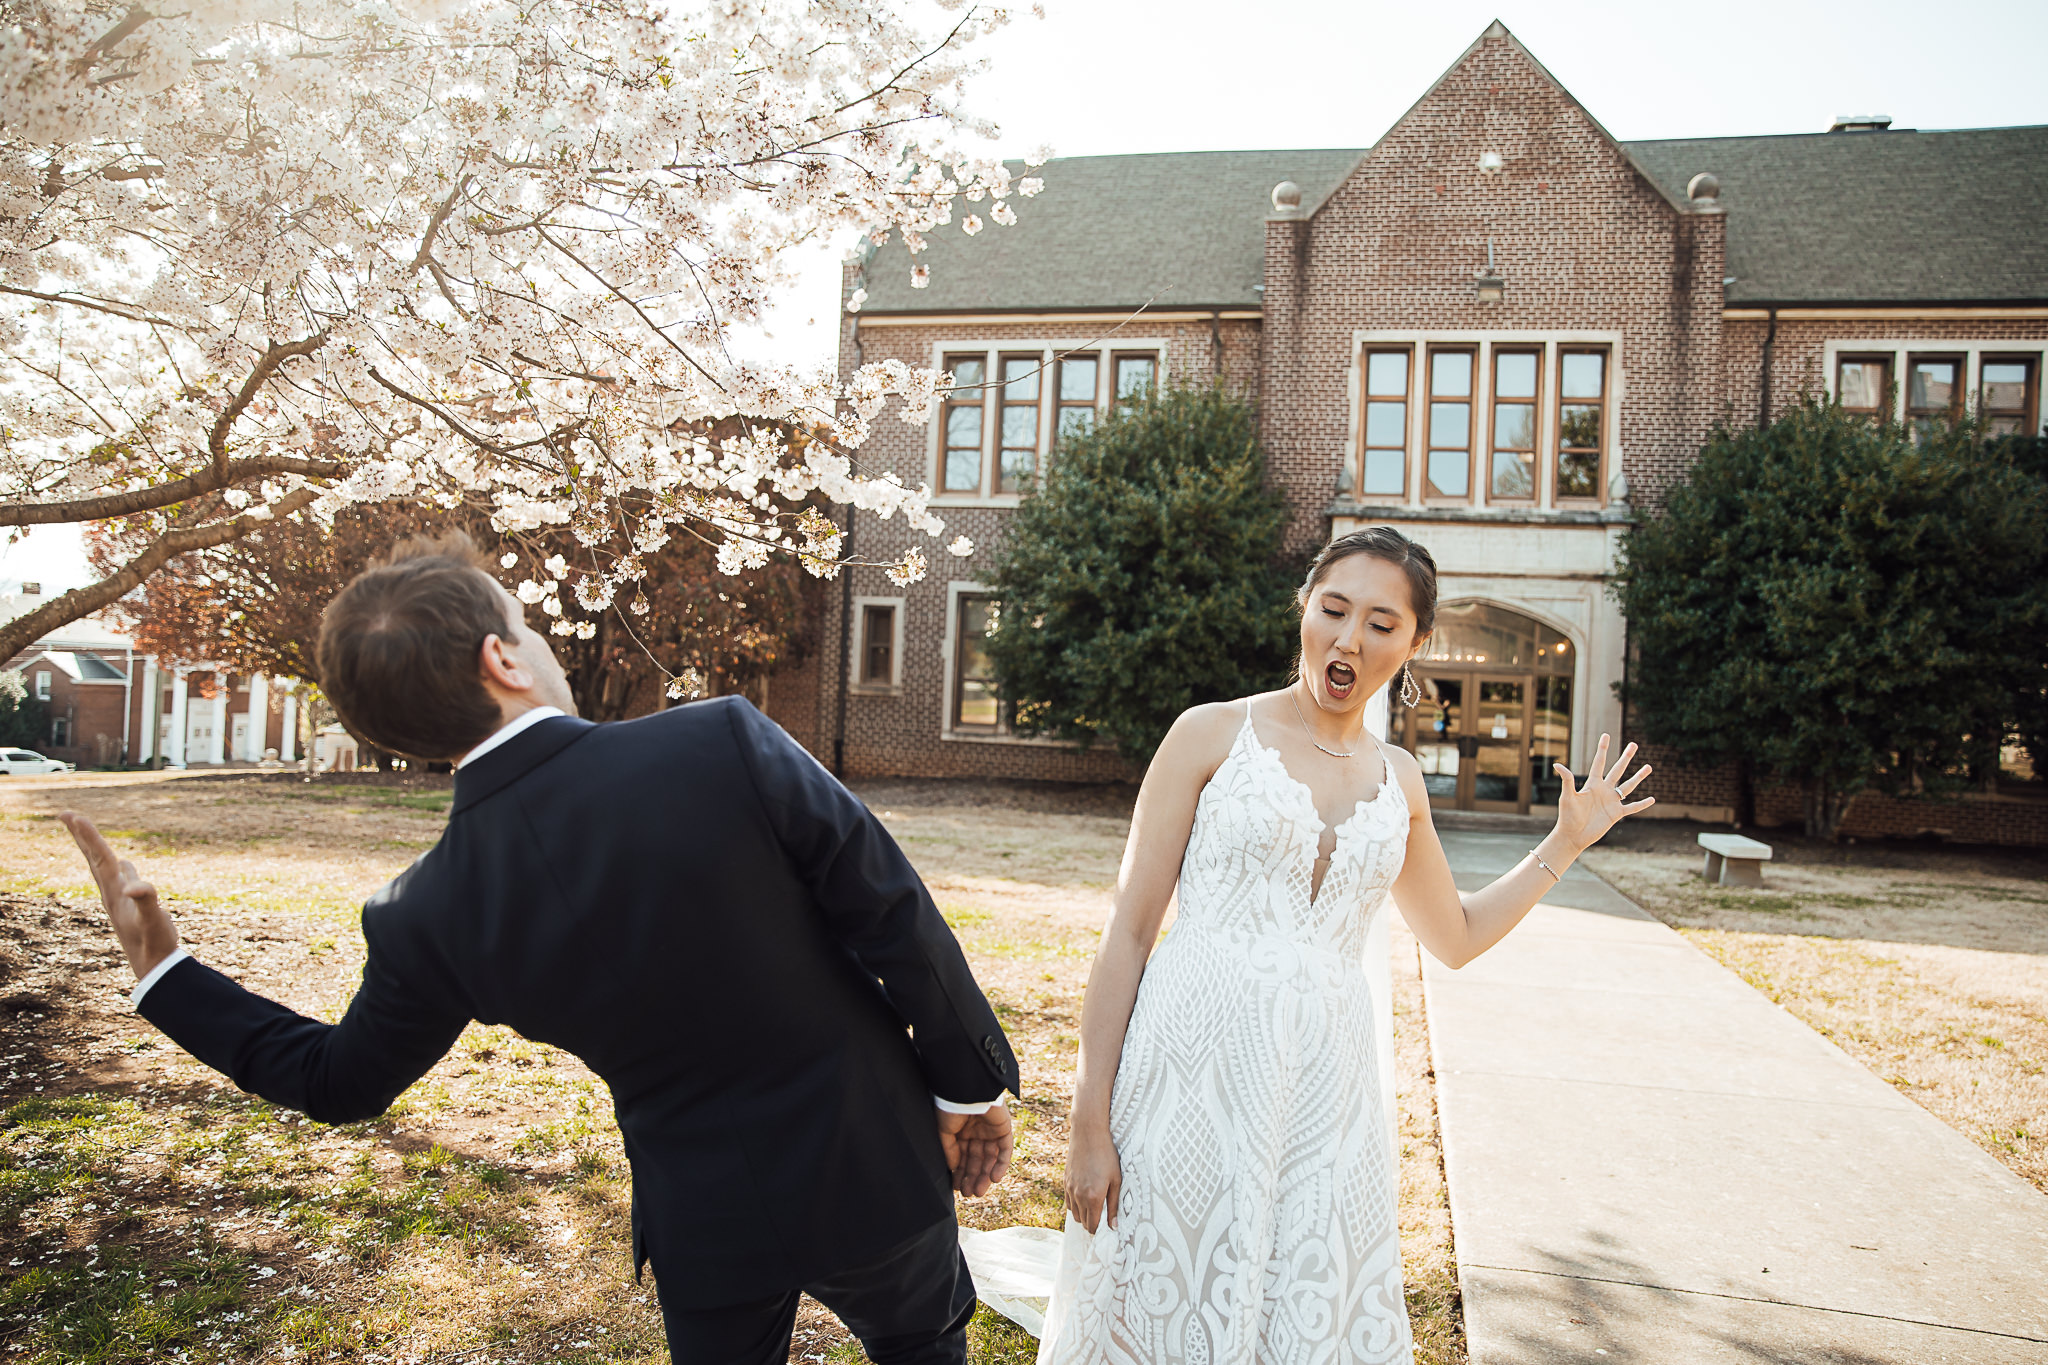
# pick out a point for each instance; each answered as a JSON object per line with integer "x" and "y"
{"x": 145, "y": 930}
{"x": 977, "y": 1147}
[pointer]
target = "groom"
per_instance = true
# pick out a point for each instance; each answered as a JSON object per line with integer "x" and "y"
{"x": 803, "y": 1068}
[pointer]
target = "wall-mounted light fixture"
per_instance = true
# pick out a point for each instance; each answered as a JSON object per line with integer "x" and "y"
{"x": 1487, "y": 285}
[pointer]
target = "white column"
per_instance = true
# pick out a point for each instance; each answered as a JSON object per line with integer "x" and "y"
{"x": 174, "y": 748}
{"x": 152, "y": 706}
{"x": 259, "y": 716}
{"x": 288, "y": 741}
{"x": 216, "y": 743}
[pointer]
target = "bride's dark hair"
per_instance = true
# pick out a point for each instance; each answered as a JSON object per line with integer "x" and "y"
{"x": 1383, "y": 542}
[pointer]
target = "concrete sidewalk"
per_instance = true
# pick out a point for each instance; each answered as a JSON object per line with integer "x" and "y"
{"x": 1651, "y": 1162}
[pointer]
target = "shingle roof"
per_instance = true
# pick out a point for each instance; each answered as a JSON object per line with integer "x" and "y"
{"x": 1896, "y": 217}
{"x": 1111, "y": 232}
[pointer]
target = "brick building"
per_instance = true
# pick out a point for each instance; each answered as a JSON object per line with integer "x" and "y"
{"x": 110, "y": 706}
{"x": 1499, "y": 329}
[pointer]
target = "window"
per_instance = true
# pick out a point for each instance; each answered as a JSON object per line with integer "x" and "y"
{"x": 963, "y": 416}
{"x": 1019, "y": 459}
{"x": 1581, "y": 422}
{"x": 1934, "y": 387}
{"x": 1513, "y": 467}
{"x": 1079, "y": 375}
{"x": 1450, "y": 424}
{"x": 60, "y": 732}
{"x": 977, "y": 704}
{"x": 42, "y": 684}
{"x": 1136, "y": 373}
{"x": 2007, "y": 396}
{"x": 875, "y": 663}
{"x": 1386, "y": 424}
{"x": 1863, "y": 385}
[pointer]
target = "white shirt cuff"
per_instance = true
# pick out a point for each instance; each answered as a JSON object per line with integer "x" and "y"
{"x": 155, "y": 975}
{"x": 956, "y": 1107}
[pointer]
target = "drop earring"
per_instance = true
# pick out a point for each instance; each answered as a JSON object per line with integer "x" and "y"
{"x": 1411, "y": 691}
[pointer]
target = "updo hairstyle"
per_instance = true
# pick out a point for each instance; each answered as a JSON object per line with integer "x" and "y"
{"x": 1383, "y": 542}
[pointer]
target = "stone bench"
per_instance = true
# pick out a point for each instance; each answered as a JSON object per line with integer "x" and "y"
{"x": 1734, "y": 860}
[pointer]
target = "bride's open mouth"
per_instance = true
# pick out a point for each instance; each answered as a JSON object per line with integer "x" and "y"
{"x": 1341, "y": 679}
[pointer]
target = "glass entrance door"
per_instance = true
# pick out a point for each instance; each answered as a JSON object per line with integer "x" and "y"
{"x": 1470, "y": 734}
{"x": 1495, "y": 710}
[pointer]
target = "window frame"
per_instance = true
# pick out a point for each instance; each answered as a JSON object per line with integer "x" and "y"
{"x": 1475, "y": 387}
{"x": 1060, "y": 404}
{"x": 1888, "y": 402}
{"x": 1366, "y": 399}
{"x": 2029, "y": 411}
{"x": 1537, "y": 489}
{"x": 1601, "y": 475}
{"x": 44, "y": 679}
{"x": 1116, "y": 365}
{"x": 1959, "y": 392}
{"x": 856, "y": 680}
{"x": 998, "y": 485}
{"x": 947, "y": 407}
{"x": 958, "y": 599}
{"x": 1050, "y": 353}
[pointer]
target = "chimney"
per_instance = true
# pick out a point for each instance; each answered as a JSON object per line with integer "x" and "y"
{"x": 1860, "y": 123}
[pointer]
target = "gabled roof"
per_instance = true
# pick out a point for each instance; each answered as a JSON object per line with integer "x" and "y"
{"x": 1112, "y": 232}
{"x": 1891, "y": 217}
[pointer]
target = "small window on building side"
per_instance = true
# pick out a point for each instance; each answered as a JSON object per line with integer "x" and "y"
{"x": 1513, "y": 467}
{"x": 2008, "y": 397}
{"x": 1934, "y": 387}
{"x": 977, "y": 703}
{"x": 1386, "y": 424}
{"x": 965, "y": 404}
{"x": 878, "y": 646}
{"x": 1079, "y": 376}
{"x": 1019, "y": 459}
{"x": 1863, "y": 385}
{"x": 60, "y": 731}
{"x": 1136, "y": 373}
{"x": 1450, "y": 424}
{"x": 1581, "y": 422}
{"x": 42, "y": 684}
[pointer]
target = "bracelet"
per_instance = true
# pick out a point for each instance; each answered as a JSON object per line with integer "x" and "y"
{"x": 1545, "y": 866}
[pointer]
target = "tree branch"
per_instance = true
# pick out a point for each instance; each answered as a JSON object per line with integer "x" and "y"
{"x": 165, "y": 494}
{"x": 266, "y": 365}
{"x": 23, "y": 631}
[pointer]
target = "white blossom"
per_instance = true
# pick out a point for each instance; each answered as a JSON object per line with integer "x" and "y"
{"x": 464, "y": 252}
{"x": 508, "y": 560}
{"x": 960, "y": 546}
{"x": 971, "y": 224}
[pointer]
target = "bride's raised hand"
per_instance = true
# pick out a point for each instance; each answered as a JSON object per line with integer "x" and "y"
{"x": 1584, "y": 813}
{"x": 1094, "y": 1176}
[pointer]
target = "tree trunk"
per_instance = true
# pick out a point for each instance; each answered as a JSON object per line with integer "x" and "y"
{"x": 1745, "y": 793}
{"x": 1825, "y": 807}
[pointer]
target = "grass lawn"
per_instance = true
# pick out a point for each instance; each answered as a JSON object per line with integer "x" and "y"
{"x": 1928, "y": 965}
{"x": 150, "y": 1211}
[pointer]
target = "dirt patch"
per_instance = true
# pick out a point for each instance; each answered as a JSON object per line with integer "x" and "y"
{"x": 153, "y": 1212}
{"x": 1927, "y": 964}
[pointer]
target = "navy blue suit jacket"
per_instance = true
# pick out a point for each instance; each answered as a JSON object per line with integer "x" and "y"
{"x": 693, "y": 906}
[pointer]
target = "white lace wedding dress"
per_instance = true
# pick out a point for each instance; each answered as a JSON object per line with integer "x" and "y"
{"x": 1253, "y": 1107}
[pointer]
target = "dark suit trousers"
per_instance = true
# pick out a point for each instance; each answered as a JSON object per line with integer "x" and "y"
{"x": 909, "y": 1308}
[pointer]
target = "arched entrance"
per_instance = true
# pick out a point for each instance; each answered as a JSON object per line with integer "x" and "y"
{"x": 1496, "y": 710}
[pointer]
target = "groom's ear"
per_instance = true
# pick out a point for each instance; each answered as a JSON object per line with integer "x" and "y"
{"x": 499, "y": 667}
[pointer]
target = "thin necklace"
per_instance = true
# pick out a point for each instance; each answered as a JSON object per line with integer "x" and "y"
{"x": 1312, "y": 734}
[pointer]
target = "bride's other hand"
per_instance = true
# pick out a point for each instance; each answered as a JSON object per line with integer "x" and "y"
{"x": 977, "y": 1148}
{"x": 1094, "y": 1176}
{"x": 1584, "y": 813}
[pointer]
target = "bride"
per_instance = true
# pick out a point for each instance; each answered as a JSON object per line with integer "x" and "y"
{"x": 1231, "y": 1169}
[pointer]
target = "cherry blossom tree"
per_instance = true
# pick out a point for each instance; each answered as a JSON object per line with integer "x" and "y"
{"x": 265, "y": 259}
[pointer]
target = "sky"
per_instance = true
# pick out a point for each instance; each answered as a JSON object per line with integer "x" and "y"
{"x": 1105, "y": 76}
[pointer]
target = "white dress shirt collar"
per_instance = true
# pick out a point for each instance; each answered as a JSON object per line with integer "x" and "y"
{"x": 519, "y": 724}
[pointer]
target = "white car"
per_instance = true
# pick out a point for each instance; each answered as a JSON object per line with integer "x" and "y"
{"x": 24, "y": 761}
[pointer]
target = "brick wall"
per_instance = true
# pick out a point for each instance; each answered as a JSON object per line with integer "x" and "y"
{"x": 1583, "y": 241}
{"x": 900, "y": 734}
